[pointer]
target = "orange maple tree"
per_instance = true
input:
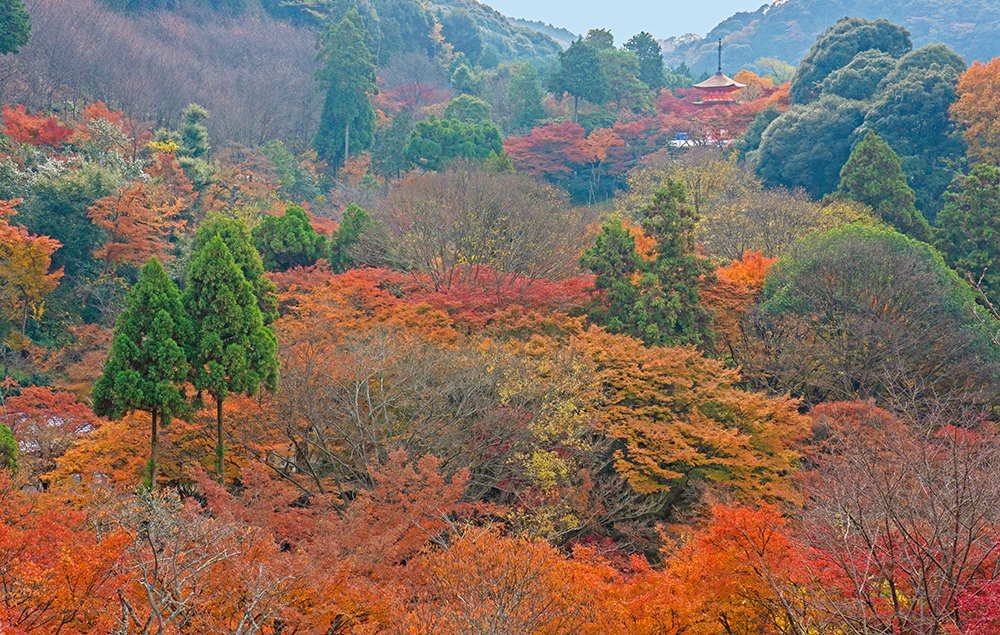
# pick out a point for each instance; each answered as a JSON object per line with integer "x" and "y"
{"x": 34, "y": 129}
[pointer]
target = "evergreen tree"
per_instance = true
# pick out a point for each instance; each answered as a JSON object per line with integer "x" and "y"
{"x": 614, "y": 261}
{"x": 525, "y": 96}
{"x": 288, "y": 240}
{"x": 15, "y": 26}
{"x": 580, "y": 74}
{"x": 236, "y": 236}
{"x": 353, "y": 225}
{"x": 347, "y": 72}
{"x": 148, "y": 360}
{"x": 8, "y": 449}
{"x": 969, "y": 229}
{"x": 654, "y": 300}
{"x": 872, "y": 176}
{"x": 233, "y": 352}
{"x": 650, "y": 59}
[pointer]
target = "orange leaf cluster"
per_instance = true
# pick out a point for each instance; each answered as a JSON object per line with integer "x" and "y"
{"x": 33, "y": 130}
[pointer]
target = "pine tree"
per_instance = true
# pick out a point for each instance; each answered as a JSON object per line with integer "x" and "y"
{"x": 148, "y": 364}
{"x": 873, "y": 176}
{"x": 288, "y": 240}
{"x": 233, "y": 352}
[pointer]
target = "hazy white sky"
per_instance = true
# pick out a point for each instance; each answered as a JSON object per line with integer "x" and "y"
{"x": 625, "y": 18}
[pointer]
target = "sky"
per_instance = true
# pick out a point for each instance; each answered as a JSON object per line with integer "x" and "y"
{"x": 625, "y": 18}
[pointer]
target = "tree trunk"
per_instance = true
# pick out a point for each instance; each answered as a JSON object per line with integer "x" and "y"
{"x": 220, "y": 450}
{"x": 347, "y": 141}
{"x": 154, "y": 438}
{"x": 576, "y": 109}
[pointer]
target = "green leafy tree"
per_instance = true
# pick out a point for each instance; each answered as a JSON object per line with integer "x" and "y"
{"x": 288, "y": 240}
{"x": 525, "y": 96}
{"x": 353, "y": 227}
{"x": 462, "y": 32}
{"x": 434, "y": 142}
{"x": 233, "y": 352}
{"x": 614, "y": 261}
{"x": 621, "y": 68}
{"x": 389, "y": 150}
{"x": 969, "y": 229}
{"x": 910, "y": 111}
{"x": 236, "y": 236}
{"x": 872, "y": 176}
{"x": 751, "y": 139}
{"x": 861, "y": 77}
{"x": 467, "y": 109}
{"x": 654, "y": 300}
{"x": 148, "y": 364}
{"x": 347, "y": 72}
{"x": 865, "y": 313}
{"x": 464, "y": 80}
{"x": 650, "y": 59}
{"x": 600, "y": 39}
{"x": 580, "y": 74}
{"x": 808, "y": 144}
{"x": 294, "y": 182}
{"x": 15, "y": 26}
{"x": 838, "y": 45}
{"x": 8, "y": 449}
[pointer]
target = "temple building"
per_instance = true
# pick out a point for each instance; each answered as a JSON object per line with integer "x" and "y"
{"x": 718, "y": 87}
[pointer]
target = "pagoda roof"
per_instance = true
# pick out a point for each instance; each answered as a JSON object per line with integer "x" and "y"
{"x": 719, "y": 80}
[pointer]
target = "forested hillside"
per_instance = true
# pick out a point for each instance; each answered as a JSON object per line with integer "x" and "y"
{"x": 786, "y": 31}
{"x": 382, "y": 318}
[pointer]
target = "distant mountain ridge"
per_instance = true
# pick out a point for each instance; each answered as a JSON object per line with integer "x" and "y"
{"x": 559, "y": 34}
{"x": 511, "y": 41}
{"x": 785, "y": 30}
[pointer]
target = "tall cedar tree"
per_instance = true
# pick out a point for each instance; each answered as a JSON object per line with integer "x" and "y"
{"x": 148, "y": 362}
{"x": 347, "y": 72}
{"x": 237, "y": 238}
{"x": 580, "y": 74}
{"x": 872, "y": 175}
{"x": 233, "y": 352}
{"x": 654, "y": 300}
{"x": 969, "y": 229}
{"x": 15, "y": 27}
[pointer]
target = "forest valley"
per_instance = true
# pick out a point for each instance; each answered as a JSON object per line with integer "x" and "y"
{"x": 436, "y": 350}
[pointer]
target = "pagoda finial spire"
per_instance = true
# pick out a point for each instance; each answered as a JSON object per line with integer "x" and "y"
{"x": 720, "y": 56}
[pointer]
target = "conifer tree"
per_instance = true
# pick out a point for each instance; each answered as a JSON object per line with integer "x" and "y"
{"x": 654, "y": 300}
{"x": 348, "y": 74}
{"x": 233, "y": 352}
{"x": 236, "y": 236}
{"x": 15, "y": 26}
{"x": 148, "y": 364}
{"x": 969, "y": 229}
{"x": 873, "y": 176}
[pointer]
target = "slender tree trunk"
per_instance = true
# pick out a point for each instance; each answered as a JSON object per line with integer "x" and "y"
{"x": 576, "y": 109}
{"x": 347, "y": 141}
{"x": 220, "y": 451}
{"x": 154, "y": 436}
